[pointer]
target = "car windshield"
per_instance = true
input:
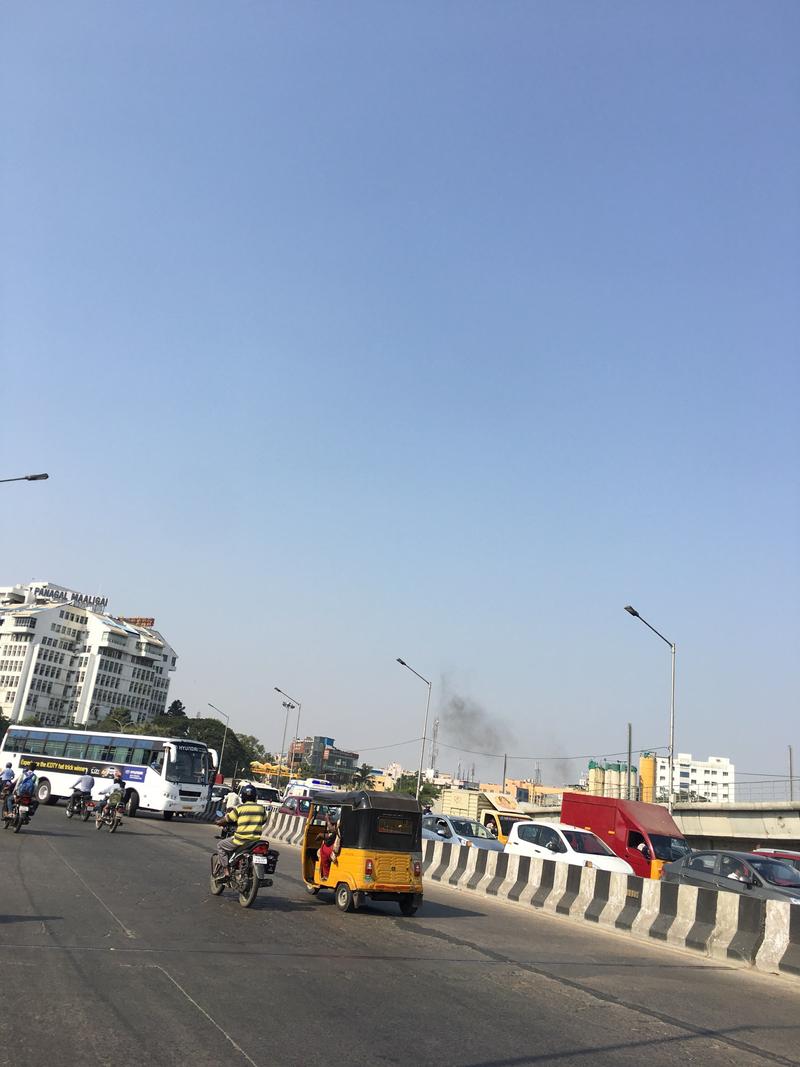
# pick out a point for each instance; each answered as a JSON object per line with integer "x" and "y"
{"x": 507, "y": 823}
{"x": 669, "y": 848}
{"x": 586, "y": 843}
{"x": 470, "y": 828}
{"x": 775, "y": 872}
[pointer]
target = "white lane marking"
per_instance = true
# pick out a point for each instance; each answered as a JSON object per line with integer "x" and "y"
{"x": 204, "y": 1013}
{"x": 126, "y": 931}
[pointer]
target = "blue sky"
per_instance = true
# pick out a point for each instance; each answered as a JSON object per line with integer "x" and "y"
{"x": 434, "y": 331}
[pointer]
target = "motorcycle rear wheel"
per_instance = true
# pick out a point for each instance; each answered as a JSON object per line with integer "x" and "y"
{"x": 216, "y": 885}
{"x": 249, "y": 895}
{"x": 17, "y": 824}
{"x": 70, "y": 812}
{"x": 116, "y": 822}
{"x": 98, "y": 824}
{"x": 85, "y": 816}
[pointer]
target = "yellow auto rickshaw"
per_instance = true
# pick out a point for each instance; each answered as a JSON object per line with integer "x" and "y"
{"x": 371, "y": 848}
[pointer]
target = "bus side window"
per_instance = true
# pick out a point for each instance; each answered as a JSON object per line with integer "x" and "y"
{"x": 157, "y": 761}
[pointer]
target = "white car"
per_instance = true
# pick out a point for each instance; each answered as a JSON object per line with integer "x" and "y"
{"x": 565, "y": 844}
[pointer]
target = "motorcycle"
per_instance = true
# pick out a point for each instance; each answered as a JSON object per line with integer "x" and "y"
{"x": 249, "y": 868}
{"x": 227, "y": 828}
{"x": 78, "y": 805}
{"x": 19, "y": 815}
{"x": 110, "y": 816}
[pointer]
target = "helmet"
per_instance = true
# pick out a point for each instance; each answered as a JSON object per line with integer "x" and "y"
{"x": 249, "y": 793}
{"x": 32, "y": 767}
{"x": 8, "y": 764}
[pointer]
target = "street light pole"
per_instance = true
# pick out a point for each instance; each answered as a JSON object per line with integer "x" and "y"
{"x": 289, "y": 707}
{"x": 28, "y": 478}
{"x": 299, "y": 706}
{"x": 403, "y": 663}
{"x": 227, "y": 719}
{"x": 636, "y": 615}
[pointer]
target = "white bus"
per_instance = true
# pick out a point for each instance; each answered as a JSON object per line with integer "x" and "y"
{"x": 162, "y": 774}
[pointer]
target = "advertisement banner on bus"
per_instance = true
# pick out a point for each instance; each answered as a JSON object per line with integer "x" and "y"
{"x": 65, "y": 766}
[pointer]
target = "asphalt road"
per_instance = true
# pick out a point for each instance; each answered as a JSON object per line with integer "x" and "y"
{"x": 113, "y": 951}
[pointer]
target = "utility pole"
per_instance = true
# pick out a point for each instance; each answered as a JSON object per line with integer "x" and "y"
{"x": 630, "y": 754}
{"x": 505, "y": 764}
{"x": 435, "y": 745}
{"x": 791, "y": 774}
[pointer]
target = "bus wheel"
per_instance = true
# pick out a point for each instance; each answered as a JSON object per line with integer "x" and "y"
{"x": 132, "y": 804}
{"x": 344, "y": 897}
{"x": 43, "y": 792}
{"x": 166, "y": 815}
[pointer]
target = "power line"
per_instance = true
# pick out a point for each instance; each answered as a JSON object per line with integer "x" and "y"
{"x": 397, "y": 744}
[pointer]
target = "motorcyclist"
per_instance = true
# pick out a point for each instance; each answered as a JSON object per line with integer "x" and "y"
{"x": 26, "y": 787}
{"x": 115, "y": 791}
{"x": 7, "y": 780}
{"x": 81, "y": 790}
{"x": 248, "y": 820}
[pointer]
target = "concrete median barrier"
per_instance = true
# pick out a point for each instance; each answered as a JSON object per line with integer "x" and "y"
{"x": 762, "y": 934}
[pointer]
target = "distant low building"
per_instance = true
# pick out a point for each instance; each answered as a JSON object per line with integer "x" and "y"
{"x": 712, "y": 779}
{"x": 324, "y": 759}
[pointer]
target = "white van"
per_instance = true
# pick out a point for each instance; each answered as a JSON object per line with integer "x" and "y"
{"x": 304, "y": 787}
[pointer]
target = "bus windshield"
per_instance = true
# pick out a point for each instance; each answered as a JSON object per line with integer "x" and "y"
{"x": 190, "y": 765}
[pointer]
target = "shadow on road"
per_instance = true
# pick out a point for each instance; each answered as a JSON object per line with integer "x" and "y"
{"x": 694, "y": 1034}
{"x": 29, "y": 918}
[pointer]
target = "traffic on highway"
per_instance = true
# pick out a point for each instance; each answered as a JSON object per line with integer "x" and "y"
{"x": 127, "y": 946}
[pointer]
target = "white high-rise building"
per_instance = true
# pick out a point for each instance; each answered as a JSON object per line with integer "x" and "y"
{"x": 65, "y": 661}
{"x": 712, "y": 779}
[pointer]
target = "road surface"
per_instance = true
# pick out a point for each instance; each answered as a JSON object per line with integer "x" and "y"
{"x": 114, "y": 952}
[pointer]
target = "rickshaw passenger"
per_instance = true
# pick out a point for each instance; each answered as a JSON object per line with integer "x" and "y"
{"x": 330, "y": 846}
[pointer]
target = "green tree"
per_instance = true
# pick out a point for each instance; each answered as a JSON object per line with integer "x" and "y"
{"x": 254, "y": 749}
{"x": 117, "y": 721}
{"x": 212, "y": 733}
{"x": 176, "y": 710}
{"x": 407, "y": 783}
{"x": 362, "y": 777}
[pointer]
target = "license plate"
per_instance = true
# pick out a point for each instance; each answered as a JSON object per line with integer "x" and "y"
{"x": 260, "y": 861}
{"x": 23, "y": 809}
{"x": 186, "y": 807}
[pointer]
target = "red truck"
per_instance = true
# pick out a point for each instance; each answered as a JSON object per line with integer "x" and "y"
{"x": 643, "y": 834}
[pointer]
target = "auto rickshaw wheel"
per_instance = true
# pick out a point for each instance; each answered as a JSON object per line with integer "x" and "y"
{"x": 344, "y": 897}
{"x": 407, "y": 906}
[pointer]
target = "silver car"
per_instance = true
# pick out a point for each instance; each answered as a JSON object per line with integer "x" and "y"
{"x": 457, "y": 830}
{"x": 737, "y": 872}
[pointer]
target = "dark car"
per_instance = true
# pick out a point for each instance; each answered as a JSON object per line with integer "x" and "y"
{"x": 761, "y": 877}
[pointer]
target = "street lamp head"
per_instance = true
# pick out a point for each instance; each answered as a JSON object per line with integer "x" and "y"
{"x": 36, "y": 477}
{"x": 402, "y": 662}
{"x": 276, "y": 689}
{"x": 632, "y": 611}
